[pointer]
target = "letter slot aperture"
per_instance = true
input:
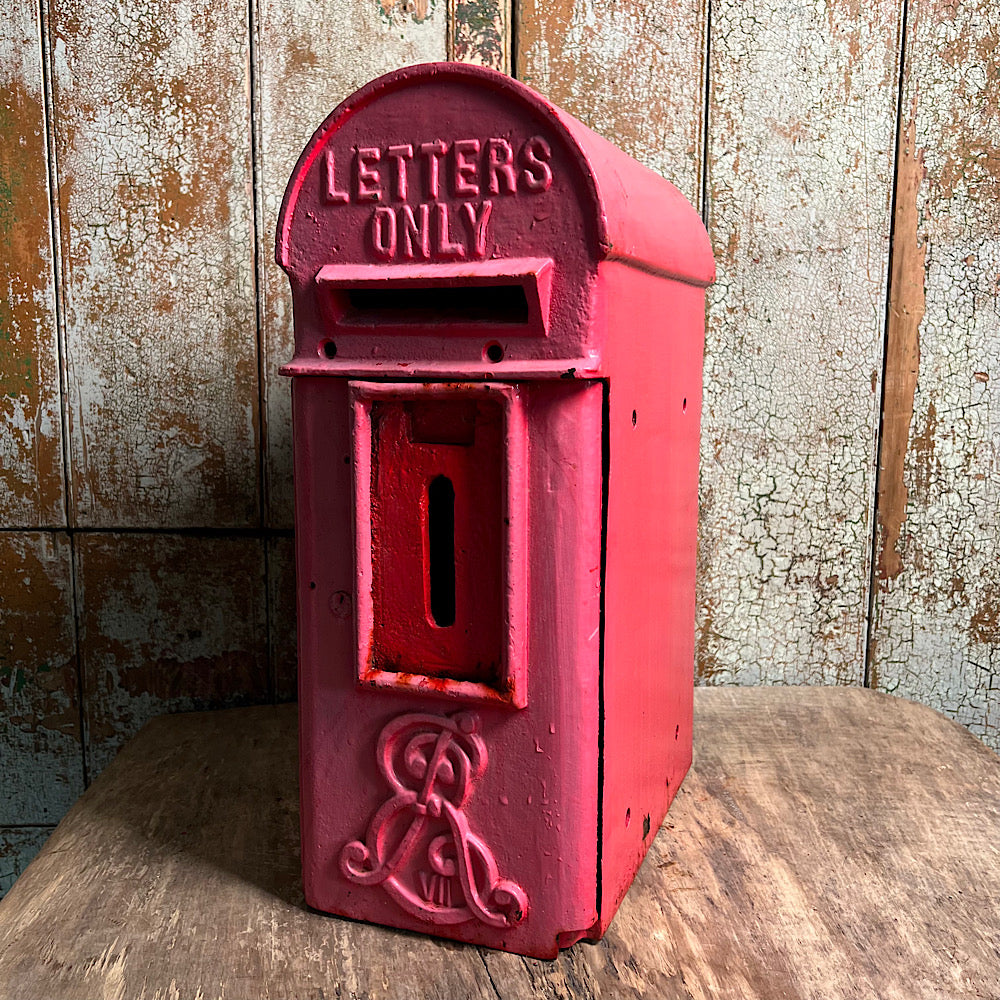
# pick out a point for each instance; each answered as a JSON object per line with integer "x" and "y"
{"x": 507, "y": 298}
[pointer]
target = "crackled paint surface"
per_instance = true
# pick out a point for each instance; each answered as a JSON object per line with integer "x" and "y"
{"x": 632, "y": 72}
{"x": 802, "y": 108}
{"x": 303, "y": 76}
{"x": 936, "y": 628}
{"x": 168, "y": 624}
{"x": 40, "y": 749}
{"x": 153, "y": 147}
{"x": 31, "y": 474}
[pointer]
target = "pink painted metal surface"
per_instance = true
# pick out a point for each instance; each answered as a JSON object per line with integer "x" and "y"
{"x": 499, "y": 321}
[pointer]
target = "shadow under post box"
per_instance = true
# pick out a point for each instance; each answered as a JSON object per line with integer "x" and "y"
{"x": 210, "y": 796}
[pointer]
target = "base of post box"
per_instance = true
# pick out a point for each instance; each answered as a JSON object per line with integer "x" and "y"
{"x": 318, "y": 902}
{"x": 563, "y": 940}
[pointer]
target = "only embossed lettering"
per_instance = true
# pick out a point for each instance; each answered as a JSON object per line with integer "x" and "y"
{"x": 477, "y": 225}
{"x": 431, "y": 229}
{"x": 384, "y": 233}
{"x": 444, "y": 245}
{"x": 416, "y": 231}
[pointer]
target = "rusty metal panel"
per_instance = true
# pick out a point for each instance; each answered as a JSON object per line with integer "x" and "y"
{"x": 18, "y": 845}
{"x": 479, "y": 32}
{"x": 282, "y": 652}
{"x": 153, "y": 151}
{"x": 169, "y": 623}
{"x": 31, "y": 471}
{"x": 802, "y": 126}
{"x": 311, "y": 55}
{"x": 41, "y": 757}
{"x": 936, "y": 626}
{"x": 632, "y": 72}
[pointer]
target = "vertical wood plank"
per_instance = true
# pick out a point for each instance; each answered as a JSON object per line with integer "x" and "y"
{"x": 31, "y": 471}
{"x": 18, "y": 845}
{"x": 169, "y": 623}
{"x": 41, "y": 753}
{"x": 802, "y": 116}
{"x": 634, "y": 72}
{"x": 936, "y": 627}
{"x": 311, "y": 55}
{"x": 479, "y": 33}
{"x": 153, "y": 151}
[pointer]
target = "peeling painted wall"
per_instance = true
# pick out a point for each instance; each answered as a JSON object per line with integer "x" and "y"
{"x": 936, "y": 623}
{"x": 802, "y": 115}
{"x": 40, "y": 748}
{"x": 155, "y": 214}
{"x": 844, "y": 157}
{"x": 31, "y": 470}
{"x": 633, "y": 72}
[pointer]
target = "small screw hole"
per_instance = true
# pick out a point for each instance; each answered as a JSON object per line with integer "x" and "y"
{"x": 312, "y": 584}
{"x": 684, "y": 405}
{"x": 633, "y": 418}
{"x": 330, "y": 349}
{"x": 494, "y": 353}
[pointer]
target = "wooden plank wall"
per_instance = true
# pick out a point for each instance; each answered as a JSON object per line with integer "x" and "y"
{"x": 936, "y": 622}
{"x": 41, "y": 749}
{"x": 844, "y": 158}
{"x": 802, "y": 112}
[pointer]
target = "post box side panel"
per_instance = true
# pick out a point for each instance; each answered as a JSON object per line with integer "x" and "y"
{"x": 564, "y": 599}
{"x": 324, "y": 568}
{"x": 527, "y": 809}
{"x": 655, "y": 361}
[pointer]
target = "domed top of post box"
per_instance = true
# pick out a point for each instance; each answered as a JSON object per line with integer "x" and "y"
{"x": 448, "y": 220}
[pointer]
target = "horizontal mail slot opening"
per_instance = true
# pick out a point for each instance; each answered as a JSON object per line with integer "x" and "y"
{"x": 508, "y": 296}
{"x": 469, "y": 304}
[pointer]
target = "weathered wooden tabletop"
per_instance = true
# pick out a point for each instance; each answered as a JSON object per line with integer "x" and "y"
{"x": 827, "y": 843}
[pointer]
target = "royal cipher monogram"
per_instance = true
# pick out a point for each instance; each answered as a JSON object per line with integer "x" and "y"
{"x": 434, "y": 199}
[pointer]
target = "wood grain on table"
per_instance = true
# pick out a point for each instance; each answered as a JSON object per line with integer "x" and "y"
{"x": 828, "y": 842}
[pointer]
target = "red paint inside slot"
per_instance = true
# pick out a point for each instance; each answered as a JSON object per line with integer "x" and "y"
{"x": 437, "y": 538}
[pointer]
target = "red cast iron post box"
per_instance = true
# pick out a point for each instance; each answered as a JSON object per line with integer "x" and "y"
{"x": 499, "y": 322}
